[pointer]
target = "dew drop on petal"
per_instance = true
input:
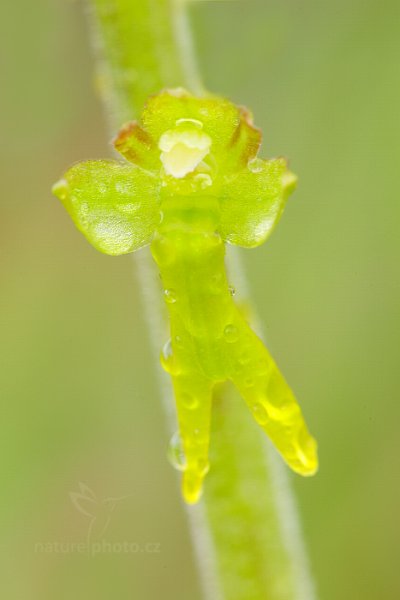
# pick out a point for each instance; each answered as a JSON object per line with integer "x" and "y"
{"x": 260, "y": 414}
{"x": 203, "y": 180}
{"x": 231, "y": 333}
{"x": 123, "y": 188}
{"x": 256, "y": 165}
{"x": 178, "y": 341}
{"x": 216, "y": 284}
{"x": 244, "y": 359}
{"x": 170, "y": 296}
{"x": 262, "y": 367}
{"x": 167, "y": 359}
{"x": 175, "y": 453}
{"x": 60, "y": 189}
{"x": 188, "y": 401}
{"x": 203, "y": 466}
{"x": 198, "y": 436}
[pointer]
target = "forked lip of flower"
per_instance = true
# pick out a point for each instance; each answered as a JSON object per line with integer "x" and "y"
{"x": 183, "y": 148}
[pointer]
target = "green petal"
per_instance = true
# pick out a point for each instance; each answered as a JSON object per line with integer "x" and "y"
{"x": 220, "y": 118}
{"x": 243, "y": 145}
{"x": 137, "y": 146}
{"x": 114, "y": 205}
{"x": 252, "y": 202}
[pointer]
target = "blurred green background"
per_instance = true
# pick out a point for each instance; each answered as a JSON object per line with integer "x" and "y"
{"x": 79, "y": 397}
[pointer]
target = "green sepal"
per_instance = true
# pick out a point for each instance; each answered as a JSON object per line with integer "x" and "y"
{"x": 219, "y": 117}
{"x": 115, "y": 205}
{"x": 136, "y": 145}
{"x": 243, "y": 146}
{"x": 252, "y": 201}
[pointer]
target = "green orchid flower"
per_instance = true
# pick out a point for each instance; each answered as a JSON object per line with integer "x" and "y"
{"x": 192, "y": 182}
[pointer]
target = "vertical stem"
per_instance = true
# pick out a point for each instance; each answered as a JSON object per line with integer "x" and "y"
{"x": 142, "y": 46}
{"x": 245, "y": 531}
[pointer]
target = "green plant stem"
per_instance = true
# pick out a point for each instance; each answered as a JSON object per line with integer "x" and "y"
{"x": 246, "y": 531}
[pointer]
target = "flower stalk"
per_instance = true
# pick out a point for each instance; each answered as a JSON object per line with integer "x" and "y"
{"x": 245, "y": 529}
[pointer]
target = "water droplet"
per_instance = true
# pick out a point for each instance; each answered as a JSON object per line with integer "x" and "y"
{"x": 198, "y": 436}
{"x": 231, "y": 333}
{"x": 289, "y": 410}
{"x": 203, "y": 180}
{"x": 190, "y": 402}
{"x": 285, "y": 411}
{"x": 260, "y": 414}
{"x": 304, "y": 438}
{"x": 170, "y": 296}
{"x": 178, "y": 341}
{"x": 232, "y": 290}
{"x": 262, "y": 367}
{"x": 203, "y": 466}
{"x": 60, "y": 189}
{"x": 307, "y": 451}
{"x": 167, "y": 359}
{"x": 163, "y": 251}
{"x": 288, "y": 429}
{"x": 123, "y": 188}
{"x": 192, "y": 489}
{"x": 216, "y": 284}
{"x": 237, "y": 368}
{"x": 128, "y": 208}
{"x": 195, "y": 122}
{"x": 256, "y": 165}
{"x": 175, "y": 453}
{"x": 244, "y": 359}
